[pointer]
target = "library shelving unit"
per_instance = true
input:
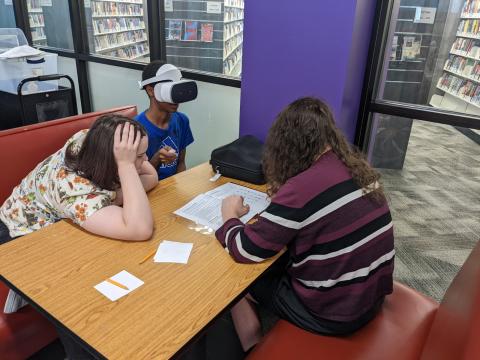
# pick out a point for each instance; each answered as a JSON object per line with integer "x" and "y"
{"x": 460, "y": 80}
{"x": 233, "y": 37}
{"x": 118, "y": 29}
{"x": 37, "y": 23}
{"x": 204, "y": 39}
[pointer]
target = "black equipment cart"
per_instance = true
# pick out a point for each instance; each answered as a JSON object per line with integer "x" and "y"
{"x": 23, "y": 109}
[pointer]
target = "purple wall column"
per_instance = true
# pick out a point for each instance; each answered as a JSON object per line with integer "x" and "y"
{"x": 308, "y": 48}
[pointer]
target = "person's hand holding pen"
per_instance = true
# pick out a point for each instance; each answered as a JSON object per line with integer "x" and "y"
{"x": 233, "y": 207}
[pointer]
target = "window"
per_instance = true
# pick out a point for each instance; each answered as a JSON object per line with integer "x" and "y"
{"x": 46, "y": 18}
{"x": 205, "y": 35}
{"x": 118, "y": 29}
{"x": 7, "y": 17}
{"x": 433, "y": 55}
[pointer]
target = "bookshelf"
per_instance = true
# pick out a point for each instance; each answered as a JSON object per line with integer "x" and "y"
{"x": 233, "y": 37}
{"x": 117, "y": 29}
{"x": 37, "y": 22}
{"x": 461, "y": 73}
{"x": 219, "y": 48}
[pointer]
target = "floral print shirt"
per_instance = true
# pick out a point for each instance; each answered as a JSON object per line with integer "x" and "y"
{"x": 51, "y": 192}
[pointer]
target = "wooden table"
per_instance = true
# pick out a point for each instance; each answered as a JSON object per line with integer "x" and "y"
{"x": 57, "y": 267}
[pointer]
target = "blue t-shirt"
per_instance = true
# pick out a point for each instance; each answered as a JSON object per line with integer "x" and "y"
{"x": 178, "y": 136}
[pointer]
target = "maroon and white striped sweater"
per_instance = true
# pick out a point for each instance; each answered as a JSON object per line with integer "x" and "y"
{"x": 340, "y": 242}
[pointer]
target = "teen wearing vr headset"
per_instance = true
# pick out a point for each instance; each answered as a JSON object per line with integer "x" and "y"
{"x": 167, "y": 129}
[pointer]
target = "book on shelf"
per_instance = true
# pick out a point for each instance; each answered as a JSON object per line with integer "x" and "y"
{"x": 131, "y": 52}
{"x": 471, "y": 8}
{"x": 34, "y": 5}
{"x": 117, "y": 24}
{"x": 107, "y": 41}
{"x": 469, "y": 27}
{"x": 110, "y": 8}
{"x": 410, "y": 48}
{"x": 191, "y": 31}
{"x": 466, "y": 47}
{"x": 206, "y": 32}
{"x": 36, "y": 20}
{"x": 462, "y": 88}
{"x": 174, "y": 29}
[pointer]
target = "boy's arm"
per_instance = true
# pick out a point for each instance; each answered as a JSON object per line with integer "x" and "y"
{"x": 181, "y": 161}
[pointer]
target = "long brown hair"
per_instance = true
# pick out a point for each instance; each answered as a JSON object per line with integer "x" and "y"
{"x": 95, "y": 160}
{"x": 301, "y": 132}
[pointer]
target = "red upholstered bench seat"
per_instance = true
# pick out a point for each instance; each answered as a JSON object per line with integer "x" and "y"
{"x": 409, "y": 326}
{"x": 398, "y": 332}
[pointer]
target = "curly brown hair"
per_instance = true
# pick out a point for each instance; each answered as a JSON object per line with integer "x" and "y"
{"x": 300, "y": 134}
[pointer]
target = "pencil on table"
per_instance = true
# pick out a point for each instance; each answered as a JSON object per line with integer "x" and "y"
{"x": 148, "y": 256}
{"x": 113, "y": 282}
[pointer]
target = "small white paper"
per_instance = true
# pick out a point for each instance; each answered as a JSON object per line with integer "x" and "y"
{"x": 168, "y": 5}
{"x": 8, "y": 2}
{"x": 173, "y": 252}
{"x": 113, "y": 292}
{"x": 425, "y": 15}
{"x": 214, "y": 7}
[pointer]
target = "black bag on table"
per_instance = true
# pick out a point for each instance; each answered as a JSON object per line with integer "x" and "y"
{"x": 241, "y": 159}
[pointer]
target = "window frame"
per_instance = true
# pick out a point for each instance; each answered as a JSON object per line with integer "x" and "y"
{"x": 82, "y": 54}
{"x": 370, "y": 104}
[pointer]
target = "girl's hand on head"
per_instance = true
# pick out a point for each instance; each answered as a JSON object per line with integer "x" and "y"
{"x": 125, "y": 144}
{"x": 233, "y": 207}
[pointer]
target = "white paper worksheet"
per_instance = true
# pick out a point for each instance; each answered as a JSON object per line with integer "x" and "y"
{"x": 205, "y": 209}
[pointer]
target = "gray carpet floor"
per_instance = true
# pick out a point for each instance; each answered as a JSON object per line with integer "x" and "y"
{"x": 435, "y": 205}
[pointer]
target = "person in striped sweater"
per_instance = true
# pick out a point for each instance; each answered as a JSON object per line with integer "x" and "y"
{"x": 329, "y": 211}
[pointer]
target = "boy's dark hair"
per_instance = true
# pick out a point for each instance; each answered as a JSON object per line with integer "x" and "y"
{"x": 95, "y": 160}
{"x": 151, "y": 69}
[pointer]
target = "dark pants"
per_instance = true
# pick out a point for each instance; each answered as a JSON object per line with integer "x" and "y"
{"x": 4, "y": 234}
{"x": 274, "y": 292}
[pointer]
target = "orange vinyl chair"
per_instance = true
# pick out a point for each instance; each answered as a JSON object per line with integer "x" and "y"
{"x": 409, "y": 326}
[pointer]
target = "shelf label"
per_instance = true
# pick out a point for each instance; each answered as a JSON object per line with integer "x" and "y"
{"x": 214, "y": 7}
{"x": 425, "y": 15}
{"x": 45, "y": 2}
{"x": 168, "y": 4}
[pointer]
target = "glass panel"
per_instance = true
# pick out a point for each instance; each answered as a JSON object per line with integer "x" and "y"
{"x": 205, "y": 35}
{"x": 7, "y": 16}
{"x": 50, "y": 23}
{"x": 434, "y": 195}
{"x": 118, "y": 29}
{"x": 433, "y": 55}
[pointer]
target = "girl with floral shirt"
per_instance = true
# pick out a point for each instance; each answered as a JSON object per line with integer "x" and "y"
{"x": 86, "y": 181}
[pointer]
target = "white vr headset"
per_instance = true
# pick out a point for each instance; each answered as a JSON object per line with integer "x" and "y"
{"x": 169, "y": 86}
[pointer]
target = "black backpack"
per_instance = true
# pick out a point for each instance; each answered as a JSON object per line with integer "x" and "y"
{"x": 241, "y": 159}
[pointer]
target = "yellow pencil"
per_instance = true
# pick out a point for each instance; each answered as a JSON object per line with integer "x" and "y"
{"x": 113, "y": 282}
{"x": 148, "y": 256}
